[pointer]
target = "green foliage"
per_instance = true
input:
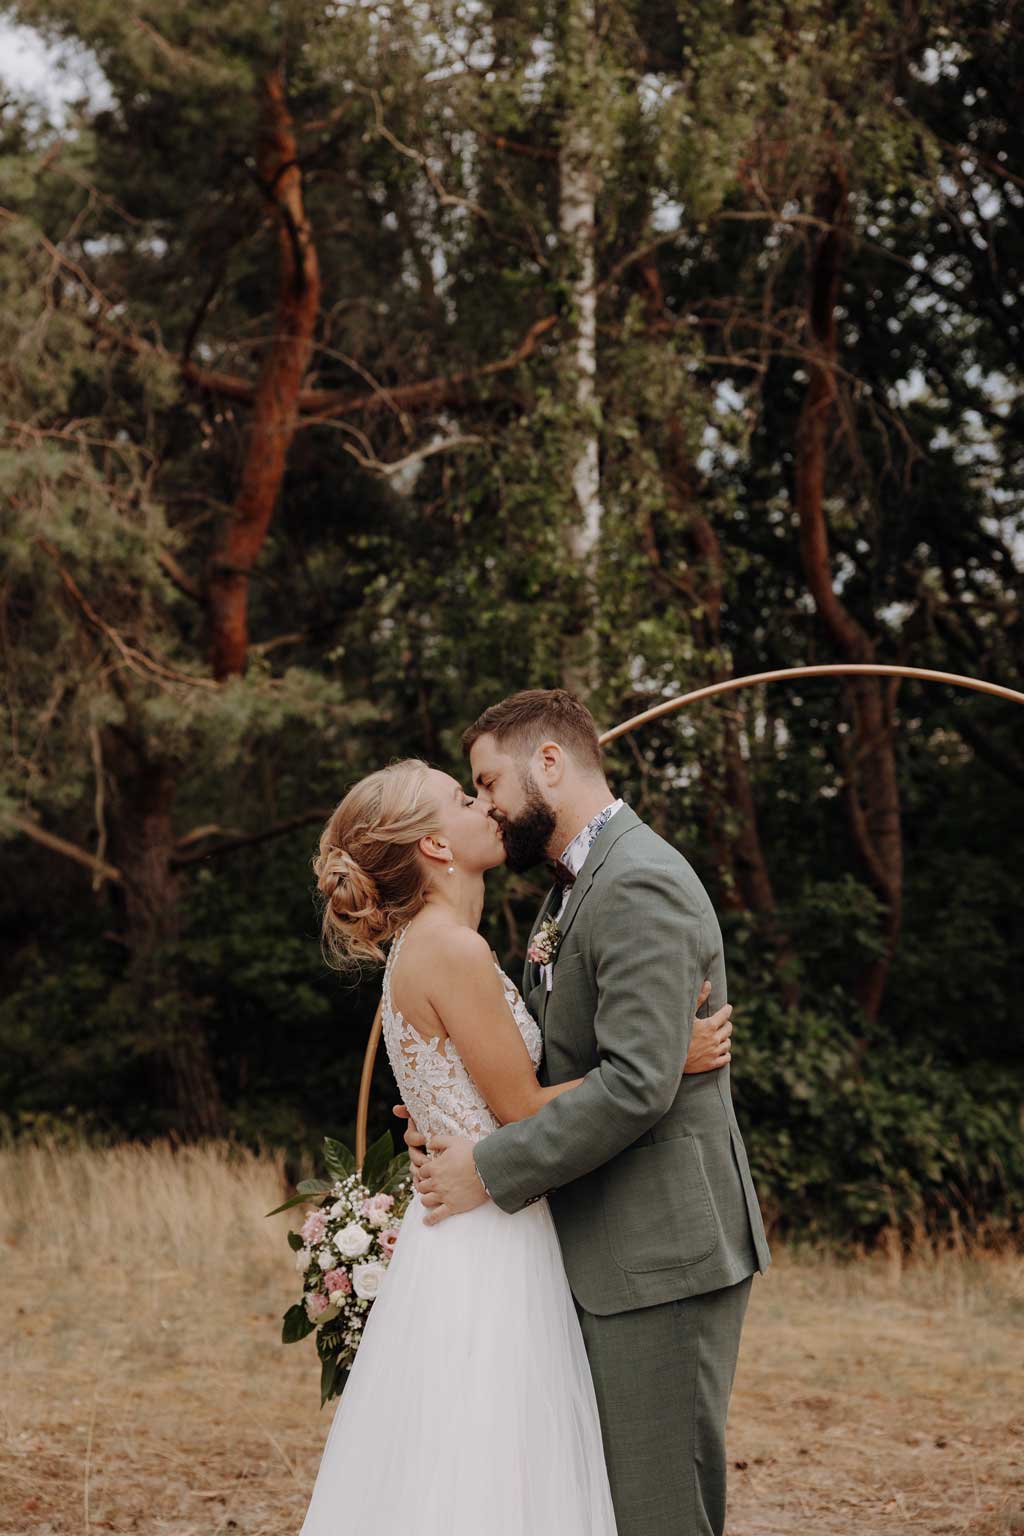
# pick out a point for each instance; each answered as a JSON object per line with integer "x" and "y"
{"x": 914, "y": 1123}
{"x": 849, "y": 1137}
{"x": 296, "y": 1325}
{"x": 387, "y": 609}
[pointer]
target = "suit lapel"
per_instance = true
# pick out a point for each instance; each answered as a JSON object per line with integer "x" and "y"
{"x": 623, "y": 821}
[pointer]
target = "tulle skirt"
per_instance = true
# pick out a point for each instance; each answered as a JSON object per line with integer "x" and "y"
{"x": 470, "y": 1409}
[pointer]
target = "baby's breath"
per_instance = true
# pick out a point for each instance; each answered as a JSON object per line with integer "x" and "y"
{"x": 337, "y": 1272}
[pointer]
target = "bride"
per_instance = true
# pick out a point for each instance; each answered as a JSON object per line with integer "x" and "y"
{"x": 470, "y": 1409}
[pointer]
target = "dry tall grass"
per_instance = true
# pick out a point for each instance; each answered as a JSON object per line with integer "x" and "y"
{"x": 145, "y": 1390}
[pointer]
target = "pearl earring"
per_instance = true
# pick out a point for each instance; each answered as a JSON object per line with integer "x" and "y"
{"x": 451, "y": 868}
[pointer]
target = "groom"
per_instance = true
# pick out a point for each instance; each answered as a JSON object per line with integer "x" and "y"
{"x": 644, "y": 1167}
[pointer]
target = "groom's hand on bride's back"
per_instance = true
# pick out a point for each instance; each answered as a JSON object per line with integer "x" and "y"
{"x": 711, "y": 1041}
{"x": 447, "y": 1182}
{"x": 710, "y": 1049}
{"x": 415, "y": 1141}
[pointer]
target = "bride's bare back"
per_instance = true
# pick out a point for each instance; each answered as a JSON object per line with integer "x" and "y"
{"x": 446, "y": 999}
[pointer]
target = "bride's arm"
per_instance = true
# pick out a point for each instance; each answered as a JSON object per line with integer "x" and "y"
{"x": 470, "y": 1001}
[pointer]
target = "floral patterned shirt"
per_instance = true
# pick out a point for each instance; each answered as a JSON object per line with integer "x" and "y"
{"x": 574, "y": 855}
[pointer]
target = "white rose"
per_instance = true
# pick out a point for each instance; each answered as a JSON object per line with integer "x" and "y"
{"x": 325, "y": 1258}
{"x": 302, "y": 1258}
{"x": 337, "y": 1209}
{"x": 352, "y": 1242}
{"x": 366, "y": 1280}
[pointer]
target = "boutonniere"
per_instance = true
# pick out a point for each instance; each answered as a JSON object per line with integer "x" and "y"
{"x": 545, "y": 943}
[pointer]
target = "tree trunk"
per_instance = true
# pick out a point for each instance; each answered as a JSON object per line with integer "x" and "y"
{"x": 184, "y": 1081}
{"x": 746, "y": 854}
{"x": 748, "y": 864}
{"x": 576, "y": 217}
{"x": 275, "y": 405}
{"x": 871, "y": 788}
{"x": 746, "y": 881}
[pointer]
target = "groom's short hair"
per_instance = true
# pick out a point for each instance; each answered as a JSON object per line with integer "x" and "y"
{"x": 521, "y": 722}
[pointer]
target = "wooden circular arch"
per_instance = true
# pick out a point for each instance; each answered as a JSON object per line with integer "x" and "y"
{"x": 668, "y": 707}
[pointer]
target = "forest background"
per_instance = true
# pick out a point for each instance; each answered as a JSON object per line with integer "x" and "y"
{"x": 363, "y": 363}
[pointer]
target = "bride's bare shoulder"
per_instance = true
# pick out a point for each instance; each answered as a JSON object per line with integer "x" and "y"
{"x": 461, "y": 947}
{"x": 448, "y": 950}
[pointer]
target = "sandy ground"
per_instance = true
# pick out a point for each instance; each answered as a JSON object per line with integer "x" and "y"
{"x": 144, "y": 1388}
{"x": 873, "y": 1400}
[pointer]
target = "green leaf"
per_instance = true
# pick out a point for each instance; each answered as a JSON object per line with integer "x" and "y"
{"x": 306, "y": 1189}
{"x": 339, "y": 1161}
{"x": 397, "y": 1171}
{"x": 296, "y": 1324}
{"x": 377, "y": 1161}
{"x": 328, "y": 1377}
{"x": 330, "y": 1339}
{"x": 294, "y": 1241}
{"x": 295, "y": 1200}
{"x": 338, "y": 1380}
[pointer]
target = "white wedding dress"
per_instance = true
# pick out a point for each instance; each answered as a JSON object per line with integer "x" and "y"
{"x": 470, "y": 1409}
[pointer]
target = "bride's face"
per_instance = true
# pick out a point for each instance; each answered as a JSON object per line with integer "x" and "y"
{"x": 471, "y": 834}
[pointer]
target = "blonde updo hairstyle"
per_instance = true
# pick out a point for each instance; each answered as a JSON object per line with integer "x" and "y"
{"x": 368, "y": 870}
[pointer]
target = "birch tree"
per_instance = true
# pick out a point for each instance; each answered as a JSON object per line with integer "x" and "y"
{"x": 578, "y": 189}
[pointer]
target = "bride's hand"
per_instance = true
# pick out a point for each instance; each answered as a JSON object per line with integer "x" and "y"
{"x": 710, "y": 1046}
{"x": 415, "y": 1141}
{"x": 451, "y": 1185}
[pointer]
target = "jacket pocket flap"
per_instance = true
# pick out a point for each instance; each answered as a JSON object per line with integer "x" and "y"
{"x": 657, "y": 1207}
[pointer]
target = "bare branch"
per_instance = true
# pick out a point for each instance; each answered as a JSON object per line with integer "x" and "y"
{"x": 510, "y": 146}
{"x": 368, "y": 460}
{"x": 451, "y": 199}
{"x": 101, "y": 869}
{"x": 137, "y": 660}
{"x": 200, "y": 834}
{"x": 242, "y": 840}
{"x": 264, "y": 647}
{"x": 317, "y": 405}
{"x": 180, "y": 577}
{"x": 64, "y": 261}
{"x": 98, "y": 802}
{"x": 445, "y": 198}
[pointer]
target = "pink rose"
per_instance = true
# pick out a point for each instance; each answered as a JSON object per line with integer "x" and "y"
{"x": 376, "y": 1209}
{"x": 316, "y": 1303}
{"x": 314, "y": 1227}
{"x": 338, "y": 1280}
{"x": 388, "y": 1240}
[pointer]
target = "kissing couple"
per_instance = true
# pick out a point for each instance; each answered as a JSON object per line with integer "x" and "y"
{"x": 553, "y": 1348}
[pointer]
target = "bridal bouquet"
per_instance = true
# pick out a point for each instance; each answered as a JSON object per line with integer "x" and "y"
{"x": 342, "y": 1251}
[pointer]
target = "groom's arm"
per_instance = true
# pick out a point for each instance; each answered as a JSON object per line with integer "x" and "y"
{"x": 648, "y": 939}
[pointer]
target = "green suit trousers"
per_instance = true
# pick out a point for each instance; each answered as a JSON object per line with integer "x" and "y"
{"x": 663, "y": 1376}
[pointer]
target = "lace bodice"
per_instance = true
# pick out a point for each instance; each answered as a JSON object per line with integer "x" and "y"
{"x": 432, "y": 1079}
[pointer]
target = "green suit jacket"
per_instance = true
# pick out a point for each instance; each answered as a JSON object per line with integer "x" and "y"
{"x": 645, "y": 1168}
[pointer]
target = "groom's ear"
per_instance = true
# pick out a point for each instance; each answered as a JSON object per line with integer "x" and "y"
{"x": 551, "y": 763}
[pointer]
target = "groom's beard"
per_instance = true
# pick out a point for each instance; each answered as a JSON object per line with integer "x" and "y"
{"x": 526, "y": 837}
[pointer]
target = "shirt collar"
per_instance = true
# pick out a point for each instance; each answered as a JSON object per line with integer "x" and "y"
{"x": 574, "y": 854}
